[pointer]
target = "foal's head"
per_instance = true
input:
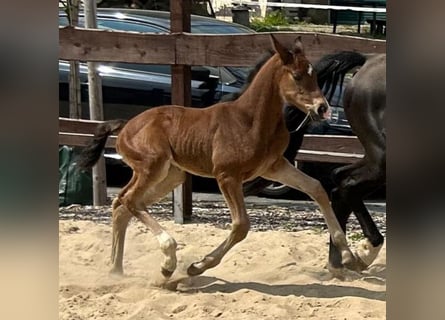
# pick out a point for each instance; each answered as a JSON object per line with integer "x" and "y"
{"x": 298, "y": 81}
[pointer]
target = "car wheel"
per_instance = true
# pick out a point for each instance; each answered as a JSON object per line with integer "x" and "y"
{"x": 276, "y": 189}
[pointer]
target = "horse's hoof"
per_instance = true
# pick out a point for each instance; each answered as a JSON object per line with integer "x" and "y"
{"x": 166, "y": 273}
{"x": 366, "y": 254}
{"x": 360, "y": 264}
{"x": 116, "y": 271}
{"x": 348, "y": 258}
{"x": 343, "y": 274}
{"x": 352, "y": 264}
{"x": 172, "y": 286}
{"x": 193, "y": 270}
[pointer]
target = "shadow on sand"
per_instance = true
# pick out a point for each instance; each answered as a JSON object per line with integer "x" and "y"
{"x": 212, "y": 285}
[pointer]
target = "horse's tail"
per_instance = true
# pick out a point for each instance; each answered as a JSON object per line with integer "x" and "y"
{"x": 332, "y": 68}
{"x": 92, "y": 152}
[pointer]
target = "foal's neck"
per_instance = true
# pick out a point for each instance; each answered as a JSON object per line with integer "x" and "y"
{"x": 262, "y": 98}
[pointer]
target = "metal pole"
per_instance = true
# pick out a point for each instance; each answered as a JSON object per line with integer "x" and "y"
{"x": 75, "y": 110}
{"x": 96, "y": 109}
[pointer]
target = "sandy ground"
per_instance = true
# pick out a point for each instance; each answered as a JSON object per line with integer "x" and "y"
{"x": 270, "y": 275}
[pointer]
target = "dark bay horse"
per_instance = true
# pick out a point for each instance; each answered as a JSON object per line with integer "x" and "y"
{"x": 364, "y": 104}
{"x": 233, "y": 142}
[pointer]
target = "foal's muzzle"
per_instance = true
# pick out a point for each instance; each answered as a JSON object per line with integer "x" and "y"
{"x": 324, "y": 111}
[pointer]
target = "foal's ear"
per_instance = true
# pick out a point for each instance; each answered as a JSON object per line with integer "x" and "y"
{"x": 285, "y": 55}
{"x": 298, "y": 46}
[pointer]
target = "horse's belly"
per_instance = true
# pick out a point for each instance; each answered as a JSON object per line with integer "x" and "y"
{"x": 196, "y": 165}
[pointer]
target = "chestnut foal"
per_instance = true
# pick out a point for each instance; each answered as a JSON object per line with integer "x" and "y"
{"x": 233, "y": 142}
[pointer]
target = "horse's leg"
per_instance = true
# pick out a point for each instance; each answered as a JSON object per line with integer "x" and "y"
{"x": 352, "y": 189}
{"x": 282, "y": 171}
{"x": 368, "y": 248}
{"x": 149, "y": 173}
{"x": 231, "y": 188}
{"x": 120, "y": 218}
{"x": 342, "y": 212}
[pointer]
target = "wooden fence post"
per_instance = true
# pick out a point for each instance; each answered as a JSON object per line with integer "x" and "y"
{"x": 181, "y": 95}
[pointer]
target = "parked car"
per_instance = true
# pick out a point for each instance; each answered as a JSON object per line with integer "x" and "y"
{"x": 129, "y": 88}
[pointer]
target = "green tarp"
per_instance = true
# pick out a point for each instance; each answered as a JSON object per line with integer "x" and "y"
{"x": 75, "y": 186}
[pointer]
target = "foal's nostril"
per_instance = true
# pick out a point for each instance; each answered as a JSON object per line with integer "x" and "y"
{"x": 322, "y": 109}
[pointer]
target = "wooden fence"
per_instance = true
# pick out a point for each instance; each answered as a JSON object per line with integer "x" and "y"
{"x": 183, "y": 49}
{"x": 197, "y": 49}
{"x": 319, "y": 148}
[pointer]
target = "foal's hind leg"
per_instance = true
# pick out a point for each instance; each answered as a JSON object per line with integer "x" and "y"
{"x": 153, "y": 176}
{"x": 231, "y": 188}
{"x": 282, "y": 171}
{"x": 120, "y": 218}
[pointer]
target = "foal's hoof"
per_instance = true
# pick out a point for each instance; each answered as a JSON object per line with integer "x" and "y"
{"x": 194, "y": 270}
{"x": 166, "y": 273}
{"x": 116, "y": 271}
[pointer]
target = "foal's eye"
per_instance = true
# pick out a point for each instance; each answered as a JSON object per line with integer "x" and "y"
{"x": 297, "y": 76}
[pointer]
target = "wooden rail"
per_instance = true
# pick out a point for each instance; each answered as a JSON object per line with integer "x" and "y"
{"x": 317, "y": 148}
{"x": 197, "y": 49}
{"x": 330, "y": 148}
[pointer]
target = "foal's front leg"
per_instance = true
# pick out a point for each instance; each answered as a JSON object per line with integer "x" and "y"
{"x": 232, "y": 190}
{"x": 282, "y": 171}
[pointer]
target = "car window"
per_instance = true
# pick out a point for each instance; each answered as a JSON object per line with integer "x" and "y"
{"x": 109, "y": 24}
{"x": 218, "y": 29}
{"x": 222, "y": 73}
{"x": 156, "y": 68}
{"x": 226, "y": 75}
{"x": 127, "y": 26}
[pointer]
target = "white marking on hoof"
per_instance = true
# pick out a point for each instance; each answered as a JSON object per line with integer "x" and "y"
{"x": 367, "y": 252}
{"x": 168, "y": 248}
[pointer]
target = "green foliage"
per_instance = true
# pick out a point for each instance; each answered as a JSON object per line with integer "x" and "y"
{"x": 272, "y": 20}
{"x": 356, "y": 236}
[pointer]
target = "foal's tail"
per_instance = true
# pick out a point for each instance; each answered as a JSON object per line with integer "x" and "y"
{"x": 332, "y": 68}
{"x": 92, "y": 152}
